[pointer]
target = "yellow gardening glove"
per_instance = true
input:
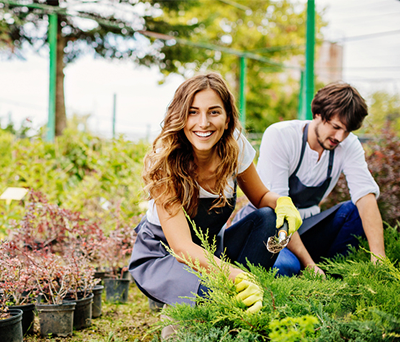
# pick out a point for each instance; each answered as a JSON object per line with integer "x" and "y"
{"x": 248, "y": 292}
{"x": 285, "y": 209}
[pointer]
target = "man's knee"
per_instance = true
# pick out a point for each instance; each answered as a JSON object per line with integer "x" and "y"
{"x": 287, "y": 263}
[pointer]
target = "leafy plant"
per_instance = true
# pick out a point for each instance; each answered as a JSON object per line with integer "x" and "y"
{"x": 16, "y": 282}
{"x": 53, "y": 276}
{"x": 358, "y": 301}
{"x": 383, "y": 159}
{"x": 79, "y": 172}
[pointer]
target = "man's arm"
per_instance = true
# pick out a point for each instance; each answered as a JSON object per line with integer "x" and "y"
{"x": 297, "y": 247}
{"x": 372, "y": 223}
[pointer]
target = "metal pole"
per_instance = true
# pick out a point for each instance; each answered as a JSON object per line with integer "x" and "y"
{"x": 114, "y": 114}
{"x": 310, "y": 48}
{"x": 242, "y": 91}
{"x": 301, "y": 113}
{"x": 52, "y": 35}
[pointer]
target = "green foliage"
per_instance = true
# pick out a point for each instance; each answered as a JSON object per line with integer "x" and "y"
{"x": 80, "y": 172}
{"x": 358, "y": 301}
{"x": 292, "y": 329}
{"x": 271, "y": 31}
{"x": 384, "y": 112}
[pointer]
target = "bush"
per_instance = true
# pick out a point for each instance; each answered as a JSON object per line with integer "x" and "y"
{"x": 383, "y": 159}
{"x": 358, "y": 301}
{"x": 99, "y": 178}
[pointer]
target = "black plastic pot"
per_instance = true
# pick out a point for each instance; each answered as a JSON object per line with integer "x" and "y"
{"x": 116, "y": 290}
{"x": 96, "y": 306}
{"x": 11, "y": 328}
{"x": 56, "y": 319}
{"x": 28, "y": 317}
{"x": 83, "y": 311}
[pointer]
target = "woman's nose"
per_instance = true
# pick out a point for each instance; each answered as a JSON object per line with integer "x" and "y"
{"x": 204, "y": 121}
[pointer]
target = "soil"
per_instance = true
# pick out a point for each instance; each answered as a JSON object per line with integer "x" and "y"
{"x": 275, "y": 246}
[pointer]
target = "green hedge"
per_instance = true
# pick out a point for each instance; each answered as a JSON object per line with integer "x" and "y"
{"x": 80, "y": 172}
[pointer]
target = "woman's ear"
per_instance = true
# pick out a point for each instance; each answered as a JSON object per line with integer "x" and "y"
{"x": 228, "y": 119}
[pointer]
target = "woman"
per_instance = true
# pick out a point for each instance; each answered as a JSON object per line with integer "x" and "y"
{"x": 194, "y": 165}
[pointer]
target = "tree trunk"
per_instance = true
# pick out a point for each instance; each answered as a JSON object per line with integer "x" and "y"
{"x": 61, "y": 117}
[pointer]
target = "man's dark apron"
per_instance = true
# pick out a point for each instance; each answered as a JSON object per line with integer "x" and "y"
{"x": 307, "y": 196}
{"x": 157, "y": 273}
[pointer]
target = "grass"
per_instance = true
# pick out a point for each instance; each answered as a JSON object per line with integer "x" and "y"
{"x": 131, "y": 321}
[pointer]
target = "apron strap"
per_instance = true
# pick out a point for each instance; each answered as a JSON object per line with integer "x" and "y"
{"x": 303, "y": 148}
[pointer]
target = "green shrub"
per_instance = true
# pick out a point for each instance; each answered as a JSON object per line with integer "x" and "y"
{"x": 358, "y": 301}
{"x": 383, "y": 158}
{"x": 99, "y": 178}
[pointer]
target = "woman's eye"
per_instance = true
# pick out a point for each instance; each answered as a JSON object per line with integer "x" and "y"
{"x": 214, "y": 112}
{"x": 192, "y": 112}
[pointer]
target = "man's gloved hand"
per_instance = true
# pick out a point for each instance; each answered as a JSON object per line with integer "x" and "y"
{"x": 248, "y": 292}
{"x": 285, "y": 209}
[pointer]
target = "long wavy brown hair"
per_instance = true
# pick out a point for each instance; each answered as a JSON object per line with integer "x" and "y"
{"x": 170, "y": 170}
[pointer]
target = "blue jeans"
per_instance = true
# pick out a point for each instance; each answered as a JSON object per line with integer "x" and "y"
{"x": 326, "y": 239}
{"x": 244, "y": 240}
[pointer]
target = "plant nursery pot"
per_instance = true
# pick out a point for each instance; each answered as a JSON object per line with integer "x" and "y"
{"x": 11, "y": 328}
{"x": 28, "y": 317}
{"x": 56, "y": 319}
{"x": 96, "y": 306}
{"x": 155, "y": 305}
{"x": 83, "y": 311}
{"x": 101, "y": 275}
{"x": 116, "y": 289}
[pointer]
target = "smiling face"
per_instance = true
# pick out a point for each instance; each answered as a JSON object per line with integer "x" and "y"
{"x": 330, "y": 133}
{"x": 206, "y": 122}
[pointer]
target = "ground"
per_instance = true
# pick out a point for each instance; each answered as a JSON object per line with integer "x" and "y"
{"x": 118, "y": 322}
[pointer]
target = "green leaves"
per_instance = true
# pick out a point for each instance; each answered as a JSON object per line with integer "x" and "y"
{"x": 101, "y": 179}
{"x": 358, "y": 301}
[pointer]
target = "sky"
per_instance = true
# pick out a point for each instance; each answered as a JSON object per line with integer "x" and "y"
{"x": 368, "y": 30}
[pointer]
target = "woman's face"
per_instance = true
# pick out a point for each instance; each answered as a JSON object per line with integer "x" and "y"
{"x": 206, "y": 122}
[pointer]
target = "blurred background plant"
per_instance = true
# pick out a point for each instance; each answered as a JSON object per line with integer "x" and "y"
{"x": 81, "y": 172}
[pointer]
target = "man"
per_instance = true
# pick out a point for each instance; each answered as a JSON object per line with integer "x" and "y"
{"x": 303, "y": 160}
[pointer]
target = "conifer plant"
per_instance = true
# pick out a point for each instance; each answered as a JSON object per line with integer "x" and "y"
{"x": 357, "y": 301}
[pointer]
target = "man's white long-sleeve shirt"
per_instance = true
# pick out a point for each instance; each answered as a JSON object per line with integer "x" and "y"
{"x": 280, "y": 153}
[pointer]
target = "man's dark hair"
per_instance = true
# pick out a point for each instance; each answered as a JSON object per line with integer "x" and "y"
{"x": 341, "y": 99}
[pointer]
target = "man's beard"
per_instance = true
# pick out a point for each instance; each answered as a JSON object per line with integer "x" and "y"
{"x": 320, "y": 142}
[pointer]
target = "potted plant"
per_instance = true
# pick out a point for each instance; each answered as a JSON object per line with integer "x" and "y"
{"x": 10, "y": 319}
{"x": 17, "y": 284}
{"x": 53, "y": 277}
{"x": 81, "y": 288}
{"x": 116, "y": 249}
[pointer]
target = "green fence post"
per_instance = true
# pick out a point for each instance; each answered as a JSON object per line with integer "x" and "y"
{"x": 310, "y": 48}
{"x": 52, "y": 36}
{"x": 242, "y": 90}
{"x": 301, "y": 113}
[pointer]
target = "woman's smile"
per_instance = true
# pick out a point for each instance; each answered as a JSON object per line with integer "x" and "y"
{"x": 206, "y": 122}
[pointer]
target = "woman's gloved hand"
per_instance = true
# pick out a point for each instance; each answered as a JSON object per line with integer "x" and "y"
{"x": 248, "y": 292}
{"x": 285, "y": 209}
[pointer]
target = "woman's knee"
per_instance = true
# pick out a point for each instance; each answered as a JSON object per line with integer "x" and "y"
{"x": 266, "y": 215}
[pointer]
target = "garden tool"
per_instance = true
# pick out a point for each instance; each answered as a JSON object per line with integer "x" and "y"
{"x": 280, "y": 240}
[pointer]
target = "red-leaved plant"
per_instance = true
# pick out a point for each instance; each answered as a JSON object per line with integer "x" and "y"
{"x": 16, "y": 283}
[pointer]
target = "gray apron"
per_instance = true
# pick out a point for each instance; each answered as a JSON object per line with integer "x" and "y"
{"x": 157, "y": 273}
{"x": 307, "y": 196}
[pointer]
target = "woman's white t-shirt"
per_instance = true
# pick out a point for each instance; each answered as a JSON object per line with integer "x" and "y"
{"x": 246, "y": 157}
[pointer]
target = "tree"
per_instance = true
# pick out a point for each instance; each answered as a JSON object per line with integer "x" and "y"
{"x": 265, "y": 30}
{"x": 384, "y": 110}
{"x": 208, "y": 35}
{"x": 107, "y": 29}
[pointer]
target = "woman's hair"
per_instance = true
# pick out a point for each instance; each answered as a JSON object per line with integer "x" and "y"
{"x": 170, "y": 169}
{"x": 341, "y": 99}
